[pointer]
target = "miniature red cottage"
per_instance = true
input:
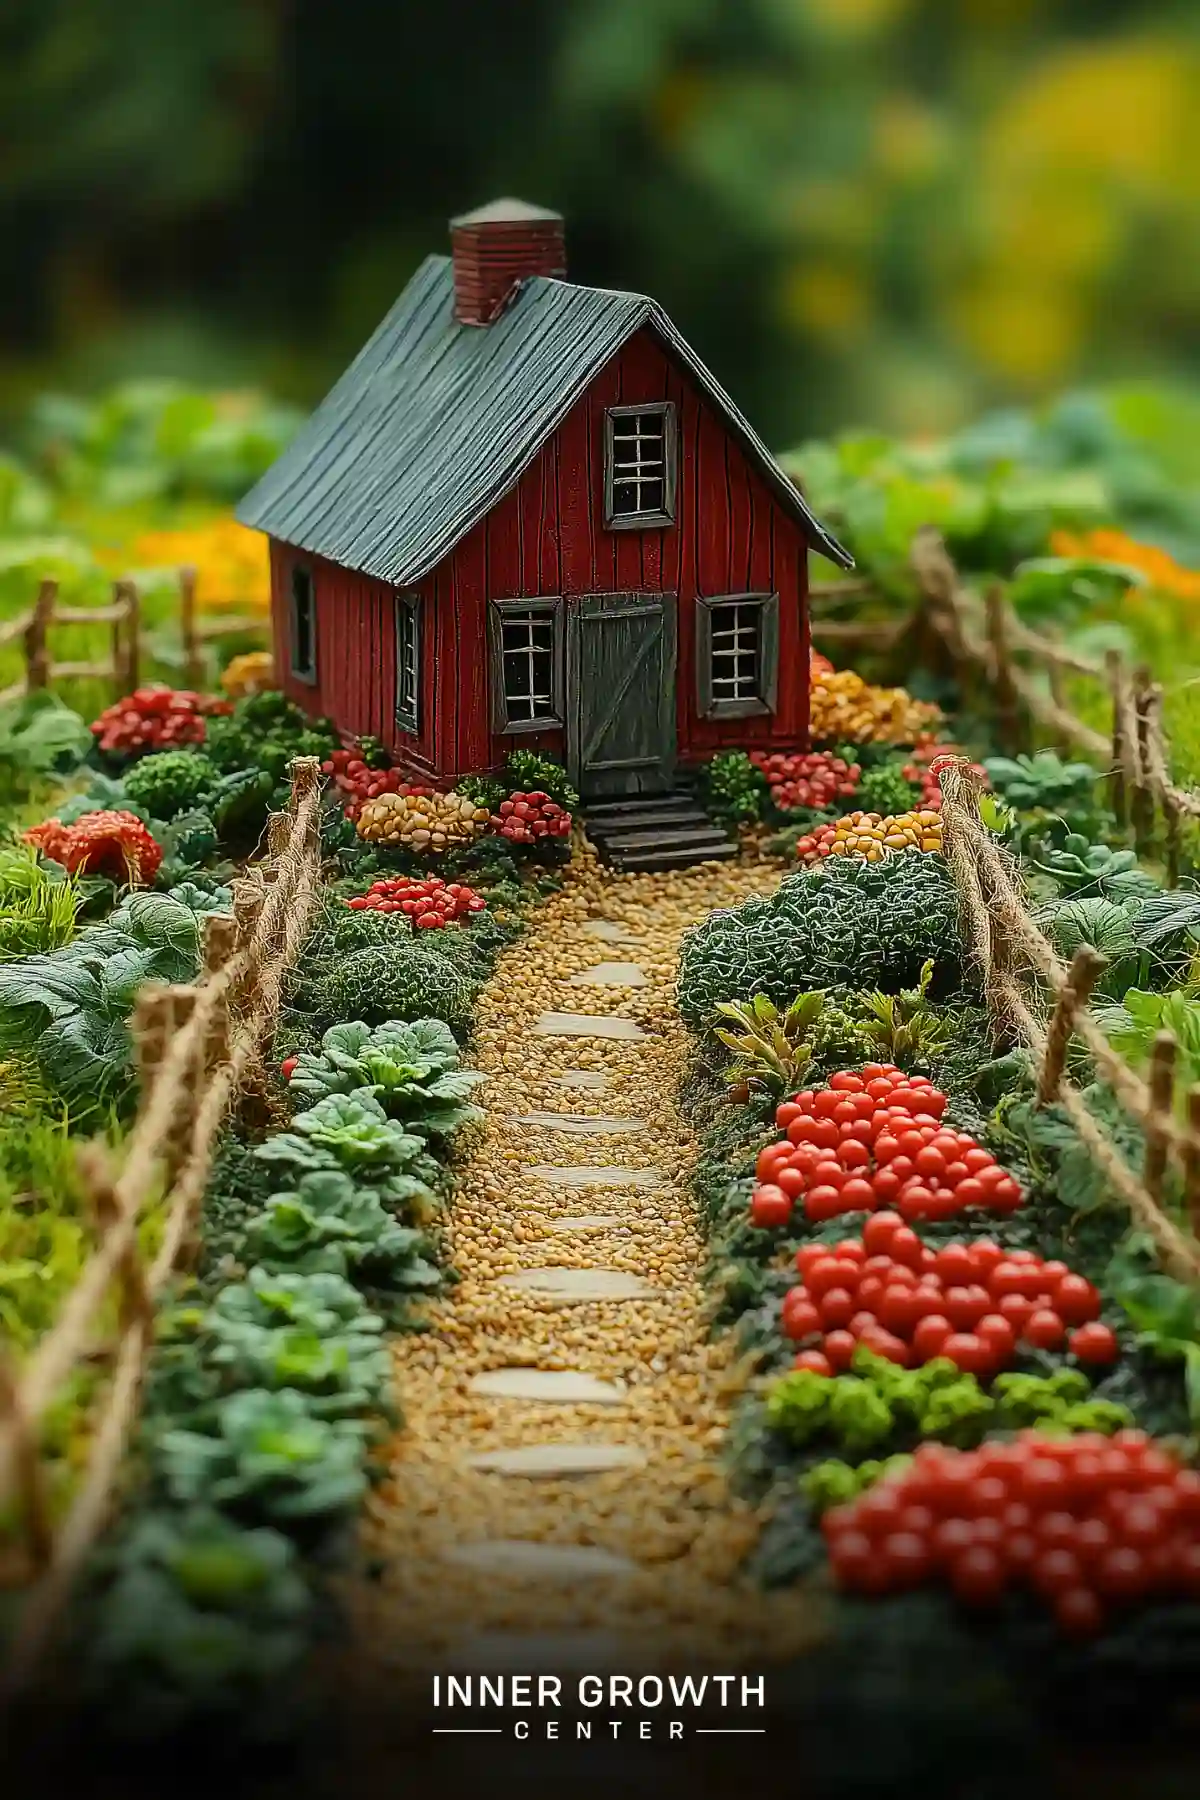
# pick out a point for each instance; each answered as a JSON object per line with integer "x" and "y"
{"x": 528, "y": 515}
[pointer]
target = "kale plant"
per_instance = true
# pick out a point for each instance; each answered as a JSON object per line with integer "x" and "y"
{"x": 412, "y": 1070}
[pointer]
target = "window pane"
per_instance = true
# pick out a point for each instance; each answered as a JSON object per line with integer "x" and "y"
{"x": 736, "y": 651}
{"x": 527, "y": 641}
{"x": 639, "y": 463}
{"x": 303, "y": 646}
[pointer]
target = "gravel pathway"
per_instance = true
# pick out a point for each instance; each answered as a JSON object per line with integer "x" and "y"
{"x": 557, "y": 1481}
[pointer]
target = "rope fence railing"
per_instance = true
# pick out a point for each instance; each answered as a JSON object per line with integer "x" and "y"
{"x": 196, "y": 1048}
{"x": 1036, "y": 998}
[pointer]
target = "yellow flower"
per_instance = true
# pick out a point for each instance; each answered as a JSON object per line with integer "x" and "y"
{"x": 232, "y": 564}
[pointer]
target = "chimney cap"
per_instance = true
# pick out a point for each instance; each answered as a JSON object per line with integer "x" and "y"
{"x": 506, "y": 212}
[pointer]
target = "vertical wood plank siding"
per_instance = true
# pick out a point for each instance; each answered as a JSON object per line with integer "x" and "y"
{"x": 546, "y": 537}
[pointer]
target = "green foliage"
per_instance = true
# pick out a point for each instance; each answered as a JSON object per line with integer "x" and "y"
{"x": 262, "y": 735}
{"x": 68, "y": 1009}
{"x": 835, "y": 1483}
{"x": 484, "y": 790}
{"x": 1133, "y": 1026}
{"x": 349, "y": 1132}
{"x": 733, "y": 791}
{"x": 238, "y": 803}
{"x": 773, "y": 1046}
{"x": 267, "y": 1458}
{"x": 885, "y": 790}
{"x": 1041, "y": 781}
{"x": 1164, "y": 1312}
{"x": 172, "y": 782}
{"x": 529, "y": 772}
{"x": 1080, "y": 869}
{"x": 39, "y": 737}
{"x": 880, "y": 1404}
{"x": 408, "y": 981}
{"x": 851, "y": 923}
{"x": 39, "y": 904}
{"x": 411, "y": 1070}
{"x": 1100, "y": 925}
{"x": 200, "y": 1616}
{"x": 328, "y": 1224}
{"x": 904, "y": 1028}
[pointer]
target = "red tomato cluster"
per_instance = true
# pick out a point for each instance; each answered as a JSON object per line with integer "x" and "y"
{"x": 429, "y": 904}
{"x": 812, "y": 781}
{"x": 875, "y": 1139}
{"x": 525, "y": 818}
{"x": 1086, "y": 1522}
{"x": 115, "y": 844}
{"x": 819, "y": 665}
{"x": 925, "y": 751}
{"x": 156, "y": 718}
{"x": 357, "y": 782}
{"x": 908, "y": 1302}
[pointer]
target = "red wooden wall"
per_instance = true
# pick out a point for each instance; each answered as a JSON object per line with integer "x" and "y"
{"x": 546, "y": 537}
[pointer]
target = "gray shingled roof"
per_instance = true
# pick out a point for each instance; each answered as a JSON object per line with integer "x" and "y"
{"x": 433, "y": 421}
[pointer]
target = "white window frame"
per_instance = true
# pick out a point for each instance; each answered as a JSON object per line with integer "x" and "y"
{"x": 409, "y": 633}
{"x": 756, "y": 612}
{"x": 507, "y": 613}
{"x": 302, "y": 577}
{"x": 620, "y": 429}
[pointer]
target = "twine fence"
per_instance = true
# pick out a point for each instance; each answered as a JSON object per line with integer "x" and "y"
{"x": 1033, "y": 996}
{"x": 982, "y": 642}
{"x": 197, "y": 1047}
{"x": 33, "y": 628}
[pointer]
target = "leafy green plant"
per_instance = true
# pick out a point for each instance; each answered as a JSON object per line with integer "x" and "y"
{"x": 1165, "y": 1313}
{"x": 262, "y": 735}
{"x": 733, "y": 790}
{"x": 885, "y": 790}
{"x": 529, "y": 772}
{"x": 484, "y": 790}
{"x": 1083, "y": 869}
{"x": 773, "y": 1046}
{"x": 308, "y": 1332}
{"x": 327, "y": 1224}
{"x": 353, "y": 1134}
{"x": 39, "y": 904}
{"x": 172, "y": 782}
{"x": 1100, "y": 925}
{"x": 68, "y": 1009}
{"x": 39, "y": 737}
{"x": 1132, "y": 1027}
{"x": 836, "y": 1483}
{"x": 1041, "y": 781}
{"x": 411, "y": 1070}
{"x": 851, "y": 923}
{"x": 268, "y": 1457}
{"x": 405, "y": 980}
{"x": 904, "y": 1028}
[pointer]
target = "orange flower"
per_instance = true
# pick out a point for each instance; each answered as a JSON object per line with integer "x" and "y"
{"x": 1110, "y": 545}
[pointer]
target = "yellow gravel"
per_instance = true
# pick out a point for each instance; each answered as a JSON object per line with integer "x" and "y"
{"x": 682, "y": 1531}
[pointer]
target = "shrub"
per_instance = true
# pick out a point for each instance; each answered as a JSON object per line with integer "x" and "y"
{"x": 734, "y": 790}
{"x": 406, "y": 981}
{"x": 885, "y": 790}
{"x": 530, "y": 772}
{"x": 174, "y": 782}
{"x": 851, "y": 923}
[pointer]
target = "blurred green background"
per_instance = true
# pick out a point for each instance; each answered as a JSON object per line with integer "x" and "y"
{"x": 893, "y": 213}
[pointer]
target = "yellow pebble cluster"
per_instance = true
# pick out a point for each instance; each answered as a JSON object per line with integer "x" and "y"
{"x": 845, "y": 709}
{"x": 422, "y": 821}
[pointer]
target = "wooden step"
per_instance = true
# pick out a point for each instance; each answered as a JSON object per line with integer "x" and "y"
{"x": 613, "y": 812}
{"x": 664, "y": 836}
{"x": 643, "y": 818}
{"x": 634, "y": 862}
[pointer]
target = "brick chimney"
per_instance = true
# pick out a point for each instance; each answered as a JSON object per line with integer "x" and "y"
{"x": 496, "y": 247}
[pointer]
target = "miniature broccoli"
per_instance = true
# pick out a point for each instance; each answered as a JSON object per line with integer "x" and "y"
{"x": 798, "y": 1405}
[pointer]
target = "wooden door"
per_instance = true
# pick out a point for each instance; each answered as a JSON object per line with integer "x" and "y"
{"x": 621, "y": 730}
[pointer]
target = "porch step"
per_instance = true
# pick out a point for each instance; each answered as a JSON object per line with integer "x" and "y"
{"x": 645, "y": 833}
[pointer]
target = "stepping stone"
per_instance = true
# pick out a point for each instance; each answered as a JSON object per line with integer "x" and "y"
{"x": 585, "y": 1222}
{"x": 611, "y": 974}
{"x": 572, "y": 1287}
{"x": 566, "y": 1024}
{"x": 557, "y": 1387}
{"x": 590, "y": 1175}
{"x": 610, "y": 931}
{"x": 577, "y": 1652}
{"x": 544, "y": 1562}
{"x": 550, "y": 1462}
{"x": 578, "y": 1124}
{"x": 591, "y": 1080}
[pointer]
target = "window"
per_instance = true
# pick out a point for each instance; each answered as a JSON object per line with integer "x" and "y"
{"x": 527, "y": 665}
{"x": 639, "y": 466}
{"x": 408, "y": 662}
{"x": 304, "y": 626}
{"x": 737, "y": 655}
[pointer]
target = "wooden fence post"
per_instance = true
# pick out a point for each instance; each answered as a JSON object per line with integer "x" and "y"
{"x": 1008, "y": 713}
{"x": 193, "y": 668}
{"x": 1142, "y": 808}
{"x": 1162, "y": 1093}
{"x": 1114, "y": 664}
{"x": 1086, "y": 968}
{"x": 37, "y": 652}
{"x": 148, "y": 1028}
{"x": 1191, "y": 1161}
{"x": 126, "y": 662}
